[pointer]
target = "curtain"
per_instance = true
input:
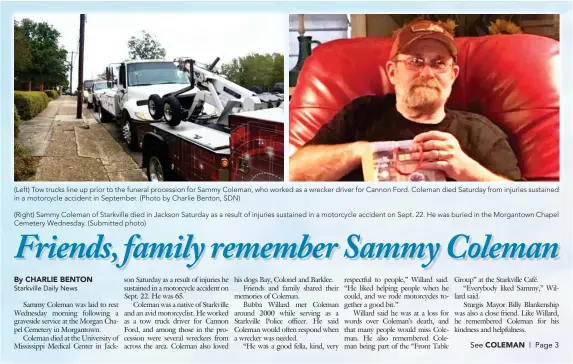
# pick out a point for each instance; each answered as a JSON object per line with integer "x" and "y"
{"x": 321, "y": 27}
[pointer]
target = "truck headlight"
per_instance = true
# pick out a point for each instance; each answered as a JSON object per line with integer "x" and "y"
{"x": 143, "y": 116}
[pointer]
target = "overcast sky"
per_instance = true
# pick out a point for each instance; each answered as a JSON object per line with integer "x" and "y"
{"x": 201, "y": 36}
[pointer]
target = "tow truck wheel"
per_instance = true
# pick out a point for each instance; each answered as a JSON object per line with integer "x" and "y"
{"x": 103, "y": 115}
{"x": 128, "y": 132}
{"x": 155, "y": 106}
{"x": 155, "y": 170}
{"x": 158, "y": 167}
{"x": 172, "y": 111}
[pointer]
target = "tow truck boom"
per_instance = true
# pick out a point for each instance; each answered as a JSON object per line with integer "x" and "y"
{"x": 214, "y": 90}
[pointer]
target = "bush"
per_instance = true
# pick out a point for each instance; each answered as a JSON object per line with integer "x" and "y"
{"x": 45, "y": 98}
{"x": 52, "y": 94}
{"x": 24, "y": 165}
{"x": 17, "y": 121}
{"x": 30, "y": 103}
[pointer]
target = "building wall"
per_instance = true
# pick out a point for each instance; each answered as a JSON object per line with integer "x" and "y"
{"x": 321, "y": 27}
{"x": 382, "y": 25}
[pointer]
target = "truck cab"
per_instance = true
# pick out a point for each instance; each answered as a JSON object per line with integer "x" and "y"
{"x": 131, "y": 83}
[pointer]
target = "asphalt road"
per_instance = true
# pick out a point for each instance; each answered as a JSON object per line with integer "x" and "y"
{"x": 114, "y": 131}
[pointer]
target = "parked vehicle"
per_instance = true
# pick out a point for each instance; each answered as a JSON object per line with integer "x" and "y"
{"x": 87, "y": 85}
{"x": 132, "y": 83}
{"x": 95, "y": 91}
{"x": 279, "y": 87}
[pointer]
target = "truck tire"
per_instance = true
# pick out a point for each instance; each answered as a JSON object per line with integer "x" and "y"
{"x": 104, "y": 116}
{"x": 155, "y": 106}
{"x": 172, "y": 111}
{"x": 158, "y": 166}
{"x": 128, "y": 131}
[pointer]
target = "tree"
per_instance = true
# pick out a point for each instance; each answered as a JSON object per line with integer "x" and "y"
{"x": 48, "y": 62}
{"x": 145, "y": 47}
{"x": 22, "y": 53}
{"x": 262, "y": 70}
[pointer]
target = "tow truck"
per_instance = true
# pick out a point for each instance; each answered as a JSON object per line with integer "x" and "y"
{"x": 130, "y": 85}
{"x": 213, "y": 130}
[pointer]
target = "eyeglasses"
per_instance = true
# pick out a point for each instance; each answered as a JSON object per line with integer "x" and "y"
{"x": 418, "y": 64}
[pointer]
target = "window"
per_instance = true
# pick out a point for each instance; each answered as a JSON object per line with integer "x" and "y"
{"x": 154, "y": 73}
{"x": 88, "y": 84}
{"x": 321, "y": 27}
{"x": 100, "y": 85}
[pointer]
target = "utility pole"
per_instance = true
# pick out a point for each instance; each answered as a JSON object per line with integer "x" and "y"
{"x": 81, "y": 67}
{"x": 71, "y": 72}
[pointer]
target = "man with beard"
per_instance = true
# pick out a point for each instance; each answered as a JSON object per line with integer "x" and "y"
{"x": 422, "y": 68}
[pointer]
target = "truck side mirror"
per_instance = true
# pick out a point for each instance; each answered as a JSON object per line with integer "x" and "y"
{"x": 192, "y": 73}
{"x": 122, "y": 75}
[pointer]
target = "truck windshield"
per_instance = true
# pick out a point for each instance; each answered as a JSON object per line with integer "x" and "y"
{"x": 100, "y": 85}
{"x": 155, "y": 73}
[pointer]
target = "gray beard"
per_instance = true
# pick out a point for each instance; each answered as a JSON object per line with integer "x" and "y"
{"x": 422, "y": 101}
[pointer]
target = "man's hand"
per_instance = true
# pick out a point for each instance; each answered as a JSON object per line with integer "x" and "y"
{"x": 326, "y": 162}
{"x": 442, "y": 152}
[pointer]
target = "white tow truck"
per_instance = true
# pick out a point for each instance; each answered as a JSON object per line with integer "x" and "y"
{"x": 241, "y": 139}
{"x": 131, "y": 84}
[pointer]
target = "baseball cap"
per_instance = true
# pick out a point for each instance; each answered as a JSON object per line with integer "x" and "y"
{"x": 423, "y": 29}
